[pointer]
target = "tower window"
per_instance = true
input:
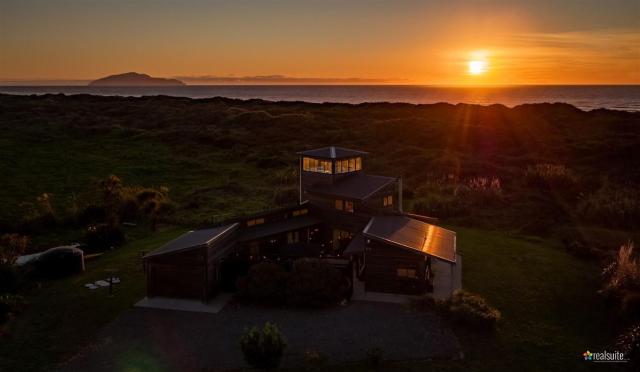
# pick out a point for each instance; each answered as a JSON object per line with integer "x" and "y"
{"x": 387, "y": 201}
{"x": 316, "y": 165}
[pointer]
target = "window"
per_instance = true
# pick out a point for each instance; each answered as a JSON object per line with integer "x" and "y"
{"x": 387, "y": 201}
{"x": 255, "y": 221}
{"x": 316, "y": 165}
{"x": 300, "y": 212}
{"x": 293, "y": 237}
{"x": 344, "y": 205}
{"x": 348, "y": 165}
{"x": 407, "y": 273}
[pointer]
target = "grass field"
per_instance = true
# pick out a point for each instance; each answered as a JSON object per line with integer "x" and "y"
{"x": 551, "y": 313}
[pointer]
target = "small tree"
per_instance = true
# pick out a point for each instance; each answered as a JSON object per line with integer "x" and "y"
{"x": 12, "y": 246}
{"x": 263, "y": 348}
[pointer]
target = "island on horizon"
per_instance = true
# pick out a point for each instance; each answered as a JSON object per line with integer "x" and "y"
{"x": 135, "y": 79}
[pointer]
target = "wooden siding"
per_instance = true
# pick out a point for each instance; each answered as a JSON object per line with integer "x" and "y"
{"x": 381, "y": 269}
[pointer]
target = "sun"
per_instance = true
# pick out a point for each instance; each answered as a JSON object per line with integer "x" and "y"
{"x": 477, "y": 67}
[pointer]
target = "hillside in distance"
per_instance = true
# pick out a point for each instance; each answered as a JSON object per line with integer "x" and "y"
{"x": 530, "y": 168}
{"x": 131, "y": 79}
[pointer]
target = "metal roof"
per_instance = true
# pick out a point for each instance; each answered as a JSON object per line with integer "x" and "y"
{"x": 332, "y": 152}
{"x": 356, "y": 186}
{"x": 277, "y": 227}
{"x": 192, "y": 239}
{"x": 415, "y": 235}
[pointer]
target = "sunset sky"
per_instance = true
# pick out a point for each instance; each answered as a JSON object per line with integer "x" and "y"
{"x": 405, "y": 42}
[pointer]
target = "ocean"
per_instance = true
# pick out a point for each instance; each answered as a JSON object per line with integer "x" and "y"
{"x": 615, "y": 97}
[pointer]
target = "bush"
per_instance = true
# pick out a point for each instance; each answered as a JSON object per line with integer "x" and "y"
{"x": 263, "y": 348}
{"x": 624, "y": 272}
{"x": 103, "y": 236}
{"x": 265, "y": 284}
{"x": 629, "y": 343}
{"x": 59, "y": 262}
{"x": 315, "y": 284}
{"x": 10, "y": 304}
{"x": 374, "y": 357}
{"x": 612, "y": 205}
{"x": 315, "y": 358}
{"x": 551, "y": 177}
{"x": 9, "y": 279}
{"x": 472, "y": 310}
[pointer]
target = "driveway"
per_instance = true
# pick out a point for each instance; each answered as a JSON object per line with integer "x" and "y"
{"x": 165, "y": 340}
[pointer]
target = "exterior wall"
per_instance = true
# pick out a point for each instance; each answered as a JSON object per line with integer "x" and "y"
{"x": 180, "y": 275}
{"x": 382, "y": 262}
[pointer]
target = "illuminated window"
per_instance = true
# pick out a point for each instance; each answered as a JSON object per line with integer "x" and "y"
{"x": 387, "y": 201}
{"x": 255, "y": 221}
{"x": 300, "y": 212}
{"x": 293, "y": 237}
{"x": 407, "y": 273}
{"x": 348, "y": 165}
{"x": 344, "y": 205}
{"x": 316, "y": 165}
{"x": 348, "y": 206}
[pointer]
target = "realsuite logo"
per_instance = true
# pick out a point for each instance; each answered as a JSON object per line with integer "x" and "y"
{"x": 605, "y": 356}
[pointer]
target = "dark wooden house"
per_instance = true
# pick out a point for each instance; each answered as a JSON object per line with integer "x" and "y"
{"x": 350, "y": 219}
{"x": 190, "y": 266}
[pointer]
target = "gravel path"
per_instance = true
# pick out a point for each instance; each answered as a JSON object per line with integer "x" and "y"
{"x": 164, "y": 340}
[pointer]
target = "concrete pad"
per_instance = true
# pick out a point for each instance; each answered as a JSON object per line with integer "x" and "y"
{"x": 213, "y": 307}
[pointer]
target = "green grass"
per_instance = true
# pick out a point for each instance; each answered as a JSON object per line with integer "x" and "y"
{"x": 551, "y": 313}
{"x": 63, "y": 315}
{"x": 550, "y": 310}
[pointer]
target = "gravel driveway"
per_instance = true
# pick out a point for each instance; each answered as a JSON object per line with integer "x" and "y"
{"x": 164, "y": 340}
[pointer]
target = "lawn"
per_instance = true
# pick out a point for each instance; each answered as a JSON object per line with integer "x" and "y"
{"x": 551, "y": 313}
{"x": 63, "y": 315}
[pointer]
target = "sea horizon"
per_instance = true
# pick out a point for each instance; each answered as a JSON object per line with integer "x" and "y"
{"x": 585, "y": 97}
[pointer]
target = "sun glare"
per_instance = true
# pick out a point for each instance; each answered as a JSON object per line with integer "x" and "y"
{"x": 477, "y": 67}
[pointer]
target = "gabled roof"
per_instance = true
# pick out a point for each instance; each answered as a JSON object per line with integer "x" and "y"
{"x": 356, "y": 186}
{"x": 332, "y": 152}
{"x": 415, "y": 235}
{"x": 192, "y": 239}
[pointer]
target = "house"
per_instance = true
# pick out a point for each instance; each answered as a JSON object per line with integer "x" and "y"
{"x": 349, "y": 219}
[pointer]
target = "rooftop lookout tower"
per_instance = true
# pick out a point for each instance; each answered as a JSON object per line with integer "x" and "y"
{"x": 336, "y": 176}
{"x": 327, "y": 165}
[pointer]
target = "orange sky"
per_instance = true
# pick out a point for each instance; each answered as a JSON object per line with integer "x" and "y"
{"x": 406, "y": 42}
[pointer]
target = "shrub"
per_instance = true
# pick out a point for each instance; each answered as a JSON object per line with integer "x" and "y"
{"x": 315, "y": 358}
{"x": 374, "y": 357}
{"x": 629, "y": 343}
{"x": 614, "y": 206}
{"x": 472, "y": 310}
{"x": 265, "y": 283}
{"x": 263, "y": 348}
{"x": 103, "y": 236}
{"x": 315, "y": 284}
{"x": 9, "y": 279}
{"x": 624, "y": 272}
{"x": 59, "y": 262}
{"x": 551, "y": 177}
{"x": 10, "y": 304}
{"x": 12, "y": 246}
